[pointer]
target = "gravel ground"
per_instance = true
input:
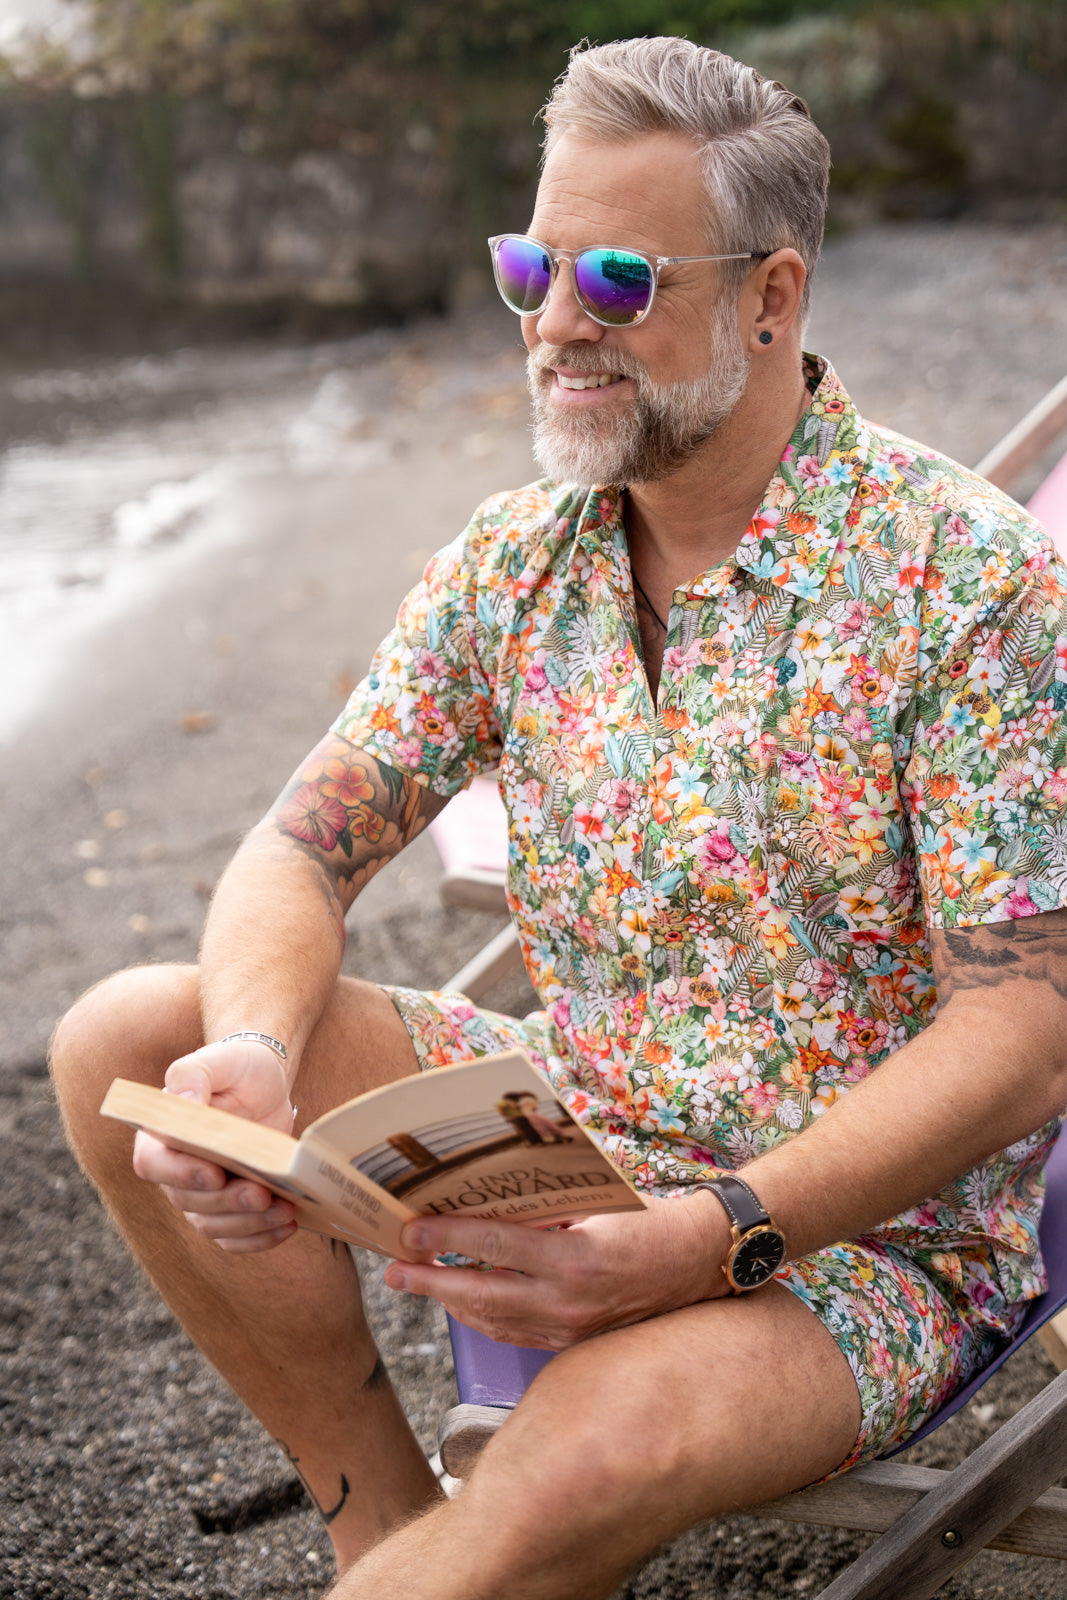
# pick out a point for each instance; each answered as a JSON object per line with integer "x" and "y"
{"x": 127, "y": 1468}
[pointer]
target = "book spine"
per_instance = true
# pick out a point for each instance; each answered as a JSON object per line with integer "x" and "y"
{"x": 376, "y": 1215}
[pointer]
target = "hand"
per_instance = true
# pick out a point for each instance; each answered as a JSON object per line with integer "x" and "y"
{"x": 552, "y": 1288}
{"x": 247, "y": 1079}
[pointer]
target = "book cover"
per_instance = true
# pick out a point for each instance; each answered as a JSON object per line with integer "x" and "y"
{"x": 485, "y": 1138}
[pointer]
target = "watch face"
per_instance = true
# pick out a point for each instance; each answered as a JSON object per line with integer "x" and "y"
{"x": 757, "y": 1258}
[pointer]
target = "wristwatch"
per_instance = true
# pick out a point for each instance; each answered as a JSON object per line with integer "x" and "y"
{"x": 758, "y": 1248}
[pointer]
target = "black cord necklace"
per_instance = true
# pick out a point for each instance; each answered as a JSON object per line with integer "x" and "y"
{"x": 644, "y": 597}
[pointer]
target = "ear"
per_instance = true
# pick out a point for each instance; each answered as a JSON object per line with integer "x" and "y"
{"x": 770, "y": 300}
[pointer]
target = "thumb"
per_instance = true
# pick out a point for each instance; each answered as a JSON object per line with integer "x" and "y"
{"x": 190, "y": 1079}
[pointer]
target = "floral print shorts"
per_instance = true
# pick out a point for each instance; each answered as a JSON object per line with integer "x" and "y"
{"x": 899, "y": 1317}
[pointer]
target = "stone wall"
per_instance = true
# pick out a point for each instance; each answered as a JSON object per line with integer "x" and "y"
{"x": 178, "y": 202}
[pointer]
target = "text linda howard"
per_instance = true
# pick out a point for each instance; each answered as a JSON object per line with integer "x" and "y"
{"x": 526, "y": 1188}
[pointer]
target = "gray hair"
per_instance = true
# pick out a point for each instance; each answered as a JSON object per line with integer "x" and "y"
{"x": 766, "y": 165}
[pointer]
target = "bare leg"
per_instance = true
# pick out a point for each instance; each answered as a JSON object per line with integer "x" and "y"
{"x": 285, "y": 1328}
{"x": 622, "y": 1443}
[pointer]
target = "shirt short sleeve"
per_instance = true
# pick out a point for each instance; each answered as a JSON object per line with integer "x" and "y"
{"x": 986, "y": 780}
{"x": 426, "y": 704}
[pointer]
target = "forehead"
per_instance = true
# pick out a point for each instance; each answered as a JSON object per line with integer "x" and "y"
{"x": 647, "y": 192}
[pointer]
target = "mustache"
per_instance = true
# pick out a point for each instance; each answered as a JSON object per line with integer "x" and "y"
{"x": 580, "y": 358}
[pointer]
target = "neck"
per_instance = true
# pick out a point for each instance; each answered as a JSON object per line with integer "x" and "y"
{"x": 696, "y": 518}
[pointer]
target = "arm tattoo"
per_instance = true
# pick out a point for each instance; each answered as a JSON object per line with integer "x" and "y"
{"x": 988, "y": 957}
{"x": 351, "y": 814}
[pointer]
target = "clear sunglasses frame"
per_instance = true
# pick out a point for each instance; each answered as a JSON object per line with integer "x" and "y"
{"x": 655, "y": 265}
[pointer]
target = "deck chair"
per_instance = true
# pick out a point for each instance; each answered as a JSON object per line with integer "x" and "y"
{"x": 471, "y": 839}
{"x": 932, "y": 1521}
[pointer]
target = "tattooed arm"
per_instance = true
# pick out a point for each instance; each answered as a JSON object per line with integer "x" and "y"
{"x": 270, "y": 957}
{"x": 275, "y": 934}
{"x": 990, "y": 1069}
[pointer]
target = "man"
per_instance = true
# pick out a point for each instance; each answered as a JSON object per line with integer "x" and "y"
{"x": 777, "y": 709}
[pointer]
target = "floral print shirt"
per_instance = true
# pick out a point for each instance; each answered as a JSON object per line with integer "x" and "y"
{"x": 723, "y": 895}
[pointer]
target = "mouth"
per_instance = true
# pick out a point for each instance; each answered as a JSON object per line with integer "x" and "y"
{"x": 588, "y": 380}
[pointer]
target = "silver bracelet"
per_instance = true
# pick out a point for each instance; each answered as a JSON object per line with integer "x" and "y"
{"x": 259, "y": 1038}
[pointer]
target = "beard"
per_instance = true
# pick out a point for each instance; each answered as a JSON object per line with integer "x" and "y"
{"x": 657, "y": 434}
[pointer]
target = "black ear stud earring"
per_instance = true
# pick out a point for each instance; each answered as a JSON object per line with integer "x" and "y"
{"x": 766, "y": 336}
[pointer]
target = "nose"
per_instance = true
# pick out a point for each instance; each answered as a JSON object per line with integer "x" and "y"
{"x": 562, "y": 319}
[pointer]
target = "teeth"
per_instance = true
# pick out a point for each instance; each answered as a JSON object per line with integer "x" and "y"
{"x": 592, "y": 380}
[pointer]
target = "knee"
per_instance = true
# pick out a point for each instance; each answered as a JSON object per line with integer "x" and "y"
{"x": 574, "y": 1461}
{"x": 130, "y": 1025}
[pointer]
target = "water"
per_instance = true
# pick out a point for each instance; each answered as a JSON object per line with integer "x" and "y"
{"x": 114, "y": 469}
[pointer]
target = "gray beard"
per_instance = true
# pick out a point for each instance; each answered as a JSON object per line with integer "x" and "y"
{"x": 664, "y": 427}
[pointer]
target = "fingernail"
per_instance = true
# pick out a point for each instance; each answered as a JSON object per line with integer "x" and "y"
{"x": 416, "y": 1236}
{"x": 396, "y": 1278}
{"x": 275, "y": 1214}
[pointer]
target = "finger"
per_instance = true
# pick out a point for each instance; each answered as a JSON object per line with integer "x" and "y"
{"x": 504, "y": 1306}
{"x": 236, "y": 1225}
{"x": 497, "y": 1244}
{"x": 239, "y": 1197}
{"x": 257, "y": 1241}
{"x": 241, "y": 1076}
{"x": 156, "y": 1162}
{"x": 190, "y": 1077}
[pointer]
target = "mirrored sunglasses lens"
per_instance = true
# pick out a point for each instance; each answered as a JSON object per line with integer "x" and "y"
{"x": 523, "y": 273}
{"x": 613, "y": 284}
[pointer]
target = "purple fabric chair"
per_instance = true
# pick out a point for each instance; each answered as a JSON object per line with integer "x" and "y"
{"x": 935, "y": 1520}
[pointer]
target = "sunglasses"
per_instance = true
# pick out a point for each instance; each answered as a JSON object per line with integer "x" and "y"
{"x": 614, "y": 287}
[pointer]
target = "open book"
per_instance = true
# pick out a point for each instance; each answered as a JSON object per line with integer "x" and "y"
{"x": 486, "y": 1138}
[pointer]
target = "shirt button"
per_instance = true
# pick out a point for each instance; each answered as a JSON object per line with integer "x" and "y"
{"x": 670, "y": 987}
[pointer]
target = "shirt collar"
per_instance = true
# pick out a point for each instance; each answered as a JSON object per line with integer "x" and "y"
{"x": 801, "y": 522}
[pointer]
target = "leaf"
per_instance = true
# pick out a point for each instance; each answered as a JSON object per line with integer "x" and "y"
{"x": 777, "y": 646}
{"x": 1043, "y": 895}
{"x": 827, "y": 434}
{"x": 344, "y": 839}
{"x": 852, "y": 576}
{"x": 394, "y": 781}
{"x": 616, "y": 760}
{"x": 636, "y": 750}
{"x": 433, "y": 630}
{"x": 800, "y": 933}
{"x": 1043, "y": 676}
